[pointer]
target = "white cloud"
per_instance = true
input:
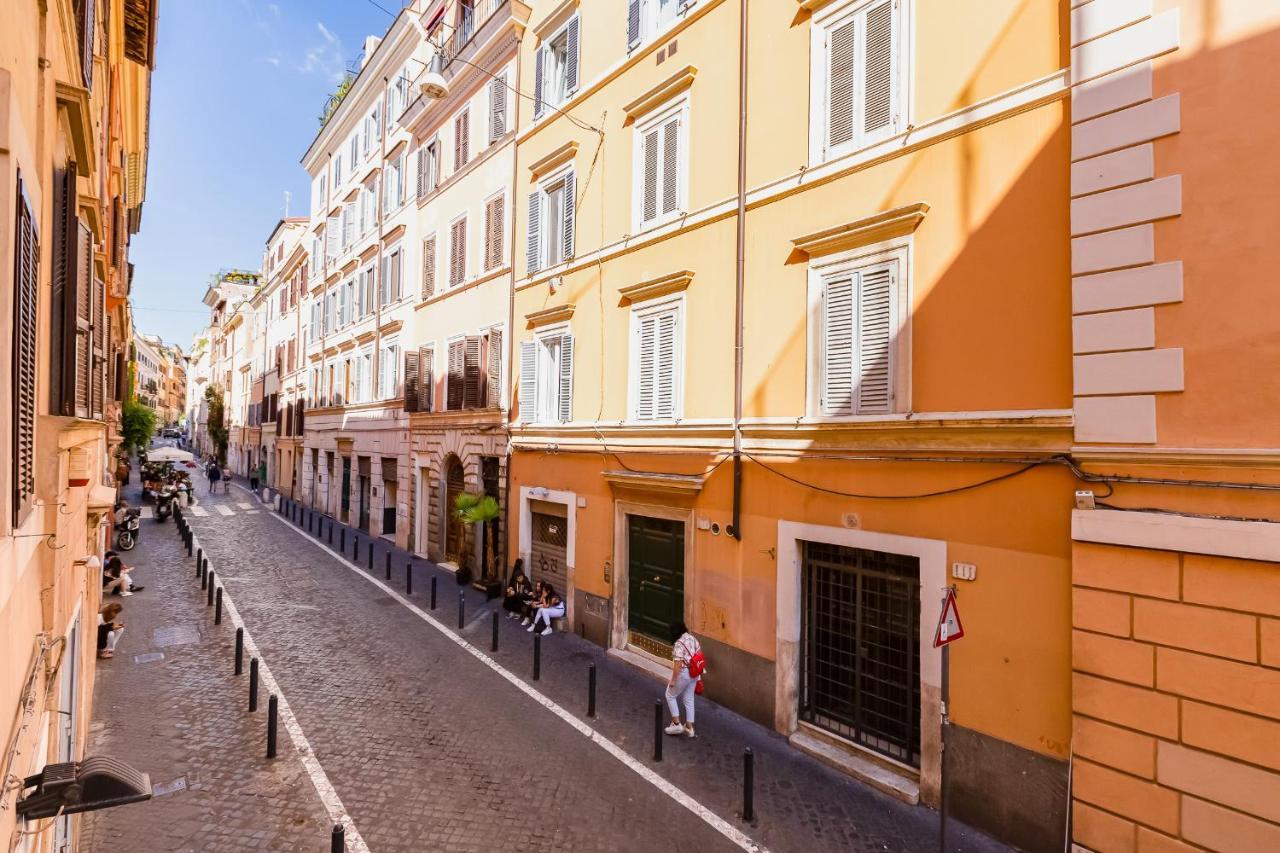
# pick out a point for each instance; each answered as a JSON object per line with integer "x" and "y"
{"x": 274, "y": 60}
{"x": 325, "y": 57}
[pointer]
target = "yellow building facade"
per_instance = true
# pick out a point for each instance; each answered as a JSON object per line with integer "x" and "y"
{"x": 792, "y": 355}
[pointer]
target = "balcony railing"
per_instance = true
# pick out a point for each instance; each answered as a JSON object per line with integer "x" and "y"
{"x": 469, "y": 22}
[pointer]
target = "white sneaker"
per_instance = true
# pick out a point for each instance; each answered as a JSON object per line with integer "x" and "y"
{"x": 123, "y": 594}
{"x": 526, "y": 622}
{"x": 688, "y": 730}
{"x": 674, "y": 729}
{"x": 547, "y": 632}
{"x": 529, "y": 630}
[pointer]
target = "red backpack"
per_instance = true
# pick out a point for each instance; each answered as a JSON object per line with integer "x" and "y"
{"x": 697, "y": 663}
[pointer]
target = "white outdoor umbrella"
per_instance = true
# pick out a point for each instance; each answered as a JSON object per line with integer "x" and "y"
{"x": 169, "y": 454}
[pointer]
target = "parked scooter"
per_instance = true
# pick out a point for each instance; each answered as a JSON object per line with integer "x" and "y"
{"x": 164, "y": 502}
{"x": 127, "y": 529}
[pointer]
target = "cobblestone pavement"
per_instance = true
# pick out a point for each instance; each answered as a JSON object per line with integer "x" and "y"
{"x": 169, "y": 704}
{"x": 430, "y": 749}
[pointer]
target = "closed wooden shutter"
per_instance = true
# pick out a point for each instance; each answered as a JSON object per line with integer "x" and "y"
{"x": 86, "y": 18}
{"x": 97, "y": 367}
{"x": 473, "y": 378}
{"x": 422, "y": 172}
{"x": 646, "y": 346}
{"x": 535, "y": 232}
{"x": 457, "y": 375}
{"x": 877, "y": 74}
{"x": 571, "y": 57}
{"x": 837, "y": 346}
{"x": 428, "y": 267}
{"x": 461, "y": 139}
{"x": 396, "y": 287}
{"x": 875, "y": 327}
{"x": 66, "y": 271}
{"x": 412, "y": 362}
{"x": 498, "y": 108}
{"x": 528, "y": 381}
{"x": 493, "y": 232}
{"x": 566, "y": 378}
{"x": 458, "y": 252}
{"x": 570, "y": 212}
{"x": 426, "y": 379}
{"x": 841, "y": 52}
{"x": 493, "y": 389}
{"x": 26, "y": 277}
{"x": 671, "y": 166}
{"x": 538, "y": 79}
{"x": 84, "y": 325}
{"x": 649, "y": 191}
{"x": 633, "y": 23}
{"x": 667, "y": 364}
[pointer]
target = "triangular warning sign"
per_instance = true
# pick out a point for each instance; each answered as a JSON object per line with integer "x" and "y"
{"x": 949, "y": 628}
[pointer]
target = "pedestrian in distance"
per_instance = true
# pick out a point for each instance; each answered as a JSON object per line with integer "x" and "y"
{"x": 518, "y": 591}
{"x": 214, "y": 473}
{"x": 687, "y": 667}
{"x": 551, "y": 607}
{"x": 109, "y": 630}
{"x": 226, "y": 480}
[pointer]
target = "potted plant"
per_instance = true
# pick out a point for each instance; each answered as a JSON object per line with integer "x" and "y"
{"x": 472, "y": 508}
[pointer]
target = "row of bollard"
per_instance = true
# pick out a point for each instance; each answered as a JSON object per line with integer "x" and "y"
{"x": 298, "y": 514}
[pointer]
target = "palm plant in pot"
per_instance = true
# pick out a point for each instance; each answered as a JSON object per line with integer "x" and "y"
{"x": 472, "y": 508}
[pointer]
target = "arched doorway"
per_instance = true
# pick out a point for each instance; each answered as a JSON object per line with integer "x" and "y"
{"x": 455, "y": 484}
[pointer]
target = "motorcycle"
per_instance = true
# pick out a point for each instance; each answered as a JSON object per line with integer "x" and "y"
{"x": 164, "y": 502}
{"x": 127, "y": 530}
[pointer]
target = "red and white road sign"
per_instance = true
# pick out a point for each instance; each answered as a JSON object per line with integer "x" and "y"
{"x": 949, "y": 628}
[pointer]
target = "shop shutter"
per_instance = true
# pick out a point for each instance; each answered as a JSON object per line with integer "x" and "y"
{"x": 411, "y": 390}
{"x": 457, "y": 374}
{"x": 535, "y": 211}
{"x": 875, "y": 326}
{"x": 26, "y": 278}
{"x": 570, "y": 212}
{"x": 633, "y": 23}
{"x": 493, "y": 391}
{"x": 473, "y": 379}
{"x": 428, "y": 267}
{"x": 566, "y": 378}
{"x": 426, "y": 379}
{"x": 498, "y": 108}
{"x": 841, "y": 44}
{"x": 571, "y": 56}
{"x": 877, "y": 72}
{"x": 528, "y": 381}
{"x": 837, "y": 346}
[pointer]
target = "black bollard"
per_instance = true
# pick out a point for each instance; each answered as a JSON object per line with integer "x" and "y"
{"x": 355, "y": 546}
{"x": 199, "y": 557}
{"x": 388, "y": 564}
{"x": 209, "y": 602}
{"x": 217, "y": 608}
{"x": 342, "y": 540}
{"x": 462, "y": 608}
{"x": 239, "y": 651}
{"x": 253, "y": 684}
{"x": 433, "y": 592}
{"x": 191, "y": 541}
{"x": 748, "y": 785}
{"x": 371, "y": 556}
{"x": 493, "y": 644}
{"x": 537, "y": 656}
{"x": 338, "y": 841}
{"x": 657, "y": 730}
{"x": 204, "y": 575}
{"x": 591, "y": 690}
{"x": 272, "y": 710}
{"x": 311, "y": 521}
{"x": 408, "y": 578}
{"x": 331, "y": 533}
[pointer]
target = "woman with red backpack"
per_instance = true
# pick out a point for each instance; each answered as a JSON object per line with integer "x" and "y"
{"x": 687, "y": 666}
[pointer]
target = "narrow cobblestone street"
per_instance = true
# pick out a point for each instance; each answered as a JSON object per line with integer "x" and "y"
{"x": 427, "y": 746}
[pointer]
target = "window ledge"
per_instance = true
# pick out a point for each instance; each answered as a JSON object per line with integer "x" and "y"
{"x": 683, "y": 484}
{"x": 547, "y": 316}
{"x": 660, "y": 94}
{"x": 862, "y": 232}
{"x": 653, "y": 288}
{"x": 554, "y": 160}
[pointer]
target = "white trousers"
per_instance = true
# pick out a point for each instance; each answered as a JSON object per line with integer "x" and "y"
{"x": 682, "y": 690}
{"x": 546, "y": 614}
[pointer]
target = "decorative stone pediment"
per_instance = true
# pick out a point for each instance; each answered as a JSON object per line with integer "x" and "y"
{"x": 661, "y": 93}
{"x": 547, "y": 316}
{"x": 862, "y": 232}
{"x": 655, "y": 287}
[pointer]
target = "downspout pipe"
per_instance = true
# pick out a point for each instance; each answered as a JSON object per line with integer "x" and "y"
{"x": 511, "y": 308}
{"x": 735, "y": 527}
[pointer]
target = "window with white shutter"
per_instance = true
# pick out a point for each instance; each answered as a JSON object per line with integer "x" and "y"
{"x": 661, "y": 170}
{"x": 546, "y": 377}
{"x": 859, "y": 61}
{"x": 556, "y": 68}
{"x": 458, "y": 252}
{"x": 647, "y": 19}
{"x": 551, "y": 222}
{"x": 337, "y": 172}
{"x": 859, "y": 317}
{"x": 494, "y": 232}
{"x": 657, "y": 334}
{"x": 497, "y": 108}
{"x": 461, "y": 139}
{"x": 429, "y": 267}
{"x": 26, "y": 278}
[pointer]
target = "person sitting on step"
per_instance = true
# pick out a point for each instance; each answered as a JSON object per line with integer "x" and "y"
{"x": 109, "y": 630}
{"x": 531, "y": 605}
{"x": 518, "y": 591}
{"x": 116, "y": 579}
{"x": 552, "y": 607}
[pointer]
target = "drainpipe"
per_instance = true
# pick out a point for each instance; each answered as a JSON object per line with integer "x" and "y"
{"x": 735, "y": 527}
{"x": 511, "y": 307}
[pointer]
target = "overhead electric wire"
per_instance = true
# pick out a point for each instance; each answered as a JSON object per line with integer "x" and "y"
{"x": 839, "y": 493}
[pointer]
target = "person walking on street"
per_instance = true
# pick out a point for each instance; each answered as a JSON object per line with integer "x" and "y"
{"x": 687, "y": 665}
{"x": 214, "y": 474}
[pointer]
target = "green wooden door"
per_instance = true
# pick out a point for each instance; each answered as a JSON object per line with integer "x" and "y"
{"x": 655, "y": 571}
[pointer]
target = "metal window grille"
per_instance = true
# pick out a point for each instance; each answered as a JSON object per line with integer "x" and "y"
{"x": 860, "y": 665}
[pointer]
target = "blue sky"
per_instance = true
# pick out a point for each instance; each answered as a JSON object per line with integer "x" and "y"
{"x": 237, "y": 89}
